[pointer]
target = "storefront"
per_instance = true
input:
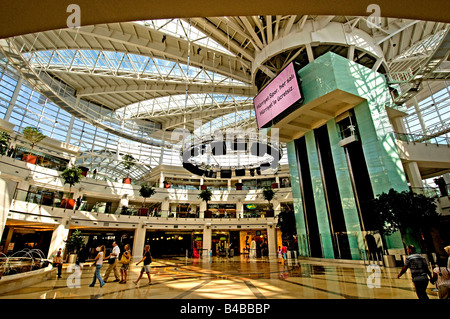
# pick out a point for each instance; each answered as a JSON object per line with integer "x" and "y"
{"x": 170, "y": 243}
{"x": 95, "y": 238}
{"x": 222, "y": 210}
{"x": 16, "y": 238}
{"x": 252, "y": 210}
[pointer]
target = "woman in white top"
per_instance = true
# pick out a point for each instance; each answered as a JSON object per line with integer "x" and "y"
{"x": 98, "y": 265}
{"x": 442, "y": 276}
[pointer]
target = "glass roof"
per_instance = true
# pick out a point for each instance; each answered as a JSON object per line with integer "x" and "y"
{"x": 184, "y": 30}
{"x": 202, "y": 101}
{"x": 126, "y": 65}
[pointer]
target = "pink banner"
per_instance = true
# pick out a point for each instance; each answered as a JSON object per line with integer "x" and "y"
{"x": 277, "y": 96}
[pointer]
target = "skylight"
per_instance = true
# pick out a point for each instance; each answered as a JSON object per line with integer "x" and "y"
{"x": 182, "y": 29}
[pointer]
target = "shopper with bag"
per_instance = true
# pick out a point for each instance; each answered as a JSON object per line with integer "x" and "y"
{"x": 125, "y": 261}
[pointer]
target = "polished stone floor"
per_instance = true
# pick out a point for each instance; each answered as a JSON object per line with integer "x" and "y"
{"x": 233, "y": 278}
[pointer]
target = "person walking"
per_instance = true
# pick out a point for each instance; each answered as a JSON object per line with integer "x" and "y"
{"x": 98, "y": 265}
{"x": 58, "y": 262}
{"x": 441, "y": 275}
{"x": 79, "y": 199}
{"x": 112, "y": 263}
{"x": 147, "y": 259}
{"x": 419, "y": 271}
{"x": 125, "y": 260}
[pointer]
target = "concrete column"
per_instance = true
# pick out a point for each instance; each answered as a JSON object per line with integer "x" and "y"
{"x": 202, "y": 209}
{"x": 398, "y": 125}
{"x": 272, "y": 240}
{"x": 413, "y": 173}
{"x": 59, "y": 235}
{"x": 276, "y": 206}
{"x": 161, "y": 180}
{"x": 239, "y": 209}
{"x": 139, "y": 243}
{"x": 165, "y": 208}
{"x": 207, "y": 234}
{"x": 5, "y": 204}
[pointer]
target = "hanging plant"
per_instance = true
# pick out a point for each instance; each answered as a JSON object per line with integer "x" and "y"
{"x": 146, "y": 191}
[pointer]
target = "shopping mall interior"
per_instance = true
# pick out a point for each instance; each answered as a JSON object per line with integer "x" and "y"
{"x": 242, "y": 146}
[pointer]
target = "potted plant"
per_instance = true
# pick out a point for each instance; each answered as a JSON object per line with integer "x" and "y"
{"x": 440, "y": 182}
{"x": 4, "y": 142}
{"x": 128, "y": 162}
{"x": 146, "y": 191}
{"x": 70, "y": 176}
{"x": 34, "y": 136}
{"x": 205, "y": 195}
{"x": 74, "y": 244}
{"x": 269, "y": 194}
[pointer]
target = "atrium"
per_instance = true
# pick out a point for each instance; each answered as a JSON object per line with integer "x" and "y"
{"x": 186, "y": 105}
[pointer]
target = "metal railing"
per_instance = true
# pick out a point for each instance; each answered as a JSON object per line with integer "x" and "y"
{"x": 422, "y": 138}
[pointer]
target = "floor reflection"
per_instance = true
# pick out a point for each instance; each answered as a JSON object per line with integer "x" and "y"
{"x": 244, "y": 278}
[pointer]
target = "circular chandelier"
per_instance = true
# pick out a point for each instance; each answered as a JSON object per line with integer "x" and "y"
{"x": 208, "y": 156}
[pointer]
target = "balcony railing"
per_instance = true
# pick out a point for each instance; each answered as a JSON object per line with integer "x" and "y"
{"x": 56, "y": 199}
{"x": 421, "y": 138}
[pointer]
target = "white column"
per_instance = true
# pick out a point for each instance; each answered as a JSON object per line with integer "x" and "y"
{"x": 206, "y": 241}
{"x": 272, "y": 240}
{"x": 202, "y": 209}
{"x": 139, "y": 242}
{"x": 239, "y": 209}
{"x": 165, "y": 208}
{"x": 413, "y": 173}
{"x": 161, "y": 180}
{"x": 276, "y": 207}
{"x": 419, "y": 115}
{"x": 70, "y": 128}
{"x": 13, "y": 100}
{"x": 5, "y": 204}
{"x": 59, "y": 235}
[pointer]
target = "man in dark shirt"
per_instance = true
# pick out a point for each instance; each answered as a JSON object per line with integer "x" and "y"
{"x": 419, "y": 271}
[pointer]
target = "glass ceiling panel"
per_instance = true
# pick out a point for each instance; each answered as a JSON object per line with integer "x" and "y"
{"x": 136, "y": 66}
{"x": 180, "y": 102}
{"x": 183, "y": 30}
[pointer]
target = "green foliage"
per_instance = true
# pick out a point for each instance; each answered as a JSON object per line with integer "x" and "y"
{"x": 75, "y": 242}
{"x": 395, "y": 211}
{"x": 128, "y": 161}
{"x": 286, "y": 223}
{"x": 72, "y": 176}
{"x": 205, "y": 195}
{"x": 33, "y": 135}
{"x": 146, "y": 191}
{"x": 268, "y": 194}
{"x": 4, "y": 142}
